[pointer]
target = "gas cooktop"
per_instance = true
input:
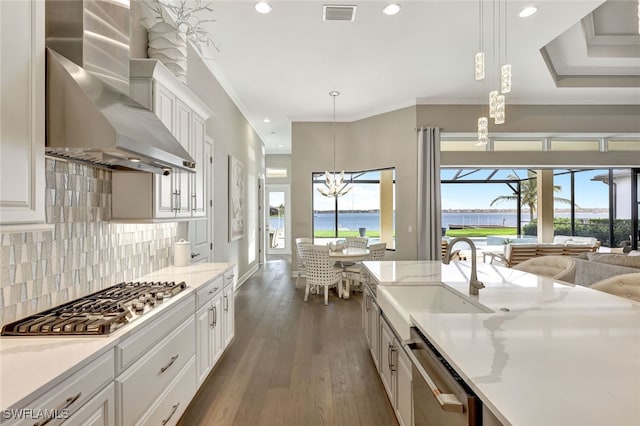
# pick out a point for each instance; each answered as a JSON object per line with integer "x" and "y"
{"x": 99, "y": 313}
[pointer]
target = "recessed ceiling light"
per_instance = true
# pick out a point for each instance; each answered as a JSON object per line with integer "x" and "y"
{"x": 266, "y": 120}
{"x": 528, "y": 11}
{"x": 134, "y": 159}
{"x": 391, "y": 9}
{"x": 280, "y": 146}
{"x": 263, "y": 7}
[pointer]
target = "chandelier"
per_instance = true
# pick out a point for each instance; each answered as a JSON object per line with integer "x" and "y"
{"x": 334, "y": 183}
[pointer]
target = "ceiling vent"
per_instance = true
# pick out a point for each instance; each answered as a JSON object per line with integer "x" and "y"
{"x": 333, "y": 12}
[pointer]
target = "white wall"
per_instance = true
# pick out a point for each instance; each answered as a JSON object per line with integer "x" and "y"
{"x": 232, "y": 135}
{"x": 383, "y": 141}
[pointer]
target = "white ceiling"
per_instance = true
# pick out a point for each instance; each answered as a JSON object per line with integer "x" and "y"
{"x": 282, "y": 65}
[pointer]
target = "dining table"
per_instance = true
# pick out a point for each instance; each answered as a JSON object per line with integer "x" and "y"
{"x": 348, "y": 254}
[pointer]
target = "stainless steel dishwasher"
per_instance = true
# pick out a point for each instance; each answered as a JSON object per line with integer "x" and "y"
{"x": 440, "y": 396}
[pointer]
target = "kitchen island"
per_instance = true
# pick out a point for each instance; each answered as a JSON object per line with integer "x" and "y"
{"x": 543, "y": 352}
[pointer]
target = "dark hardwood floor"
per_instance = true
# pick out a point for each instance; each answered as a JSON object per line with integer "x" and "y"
{"x": 291, "y": 362}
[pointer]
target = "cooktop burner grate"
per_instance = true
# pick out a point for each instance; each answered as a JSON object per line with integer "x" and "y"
{"x": 99, "y": 313}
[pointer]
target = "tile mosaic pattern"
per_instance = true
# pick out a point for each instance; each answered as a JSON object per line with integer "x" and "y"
{"x": 84, "y": 253}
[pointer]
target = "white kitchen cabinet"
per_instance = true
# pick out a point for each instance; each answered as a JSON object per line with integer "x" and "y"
{"x": 387, "y": 342}
{"x": 403, "y": 396}
{"x": 371, "y": 324}
{"x": 164, "y": 105}
{"x": 183, "y": 180}
{"x": 209, "y": 327}
{"x": 67, "y": 397}
{"x": 22, "y": 112}
{"x": 182, "y": 194}
{"x": 170, "y": 406}
{"x": 99, "y": 411}
{"x": 199, "y": 186}
{"x": 139, "y": 386}
{"x": 228, "y": 309}
{"x": 395, "y": 372}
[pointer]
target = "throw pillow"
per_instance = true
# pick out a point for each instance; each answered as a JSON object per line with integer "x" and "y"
{"x": 634, "y": 253}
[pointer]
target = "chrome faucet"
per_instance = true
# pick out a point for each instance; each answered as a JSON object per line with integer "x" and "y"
{"x": 474, "y": 284}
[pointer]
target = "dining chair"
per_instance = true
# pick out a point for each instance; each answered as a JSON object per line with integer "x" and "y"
{"x": 357, "y": 242}
{"x": 357, "y": 273}
{"x": 301, "y": 271}
{"x": 320, "y": 270}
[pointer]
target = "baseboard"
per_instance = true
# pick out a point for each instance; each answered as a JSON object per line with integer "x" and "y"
{"x": 247, "y": 275}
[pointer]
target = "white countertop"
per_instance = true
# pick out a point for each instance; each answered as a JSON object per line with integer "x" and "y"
{"x": 562, "y": 354}
{"x": 29, "y": 363}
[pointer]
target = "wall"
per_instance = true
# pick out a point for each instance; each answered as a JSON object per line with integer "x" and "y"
{"x": 279, "y": 161}
{"x": 386, "y": 140}
{"x": 232, "y": 135}
{"x": 83, "y": 253}
{"x": 389, "y": 140}
{"x": 540, "y": 119}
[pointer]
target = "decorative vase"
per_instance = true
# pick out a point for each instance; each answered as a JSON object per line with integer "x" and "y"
{"x": 169, "y": 46}
{"x": 362, "y": 232}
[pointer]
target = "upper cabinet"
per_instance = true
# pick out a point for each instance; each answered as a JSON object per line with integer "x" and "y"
{"x": 180, "y": 195}
{"x": 22, "y": 111}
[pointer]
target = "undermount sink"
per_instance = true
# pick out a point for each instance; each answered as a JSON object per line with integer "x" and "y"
{"x": 398, "y": 302}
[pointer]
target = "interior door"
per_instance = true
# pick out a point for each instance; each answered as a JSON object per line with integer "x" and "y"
{"x": 278, "y": 235}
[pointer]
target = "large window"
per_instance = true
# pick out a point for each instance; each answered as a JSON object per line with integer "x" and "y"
{"x": 484, "y": 203}
{"x": 367, "y": 209}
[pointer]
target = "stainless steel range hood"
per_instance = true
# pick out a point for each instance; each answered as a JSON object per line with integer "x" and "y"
{"x": 89, "y": 115}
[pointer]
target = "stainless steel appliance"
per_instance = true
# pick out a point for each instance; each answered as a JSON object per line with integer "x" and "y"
{"x": 99, "y": 313}
{"x": 440, "y": 396}
{"x": 90, "y": 116}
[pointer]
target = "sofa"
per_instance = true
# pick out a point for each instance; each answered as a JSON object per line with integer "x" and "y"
{"x": 594, "y": 267}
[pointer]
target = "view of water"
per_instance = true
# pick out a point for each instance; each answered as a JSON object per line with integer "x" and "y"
{"x": 371, "y": 221}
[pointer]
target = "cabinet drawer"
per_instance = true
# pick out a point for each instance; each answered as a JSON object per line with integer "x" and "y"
{"x": 174, "y": 401}
{"x": 135, "y": 346}
{"x": 139, "y": 386}
{"x": 100, "y": 411}
{"x": 67, "y": 397}
{"x": 229, "y": 277}
{"x": 209, "y": 291}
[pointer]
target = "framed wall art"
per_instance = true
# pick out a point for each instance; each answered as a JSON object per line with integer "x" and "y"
{"x": 236, "y": 198}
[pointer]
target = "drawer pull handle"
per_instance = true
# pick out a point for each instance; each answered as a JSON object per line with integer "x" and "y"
{"x": 214, "y": 290}
{"x": 173, "y": 359}
{"x": 67, "y": 403}
{"x": 212, "y": 323}
{"x": 173, "y": 411}
{"x": 226, "y": 303}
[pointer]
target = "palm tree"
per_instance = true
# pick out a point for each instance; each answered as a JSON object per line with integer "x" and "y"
{"x": 529, "y": 193}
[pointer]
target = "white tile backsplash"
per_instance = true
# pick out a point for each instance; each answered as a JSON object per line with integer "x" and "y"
{"x": 84, "y": 253}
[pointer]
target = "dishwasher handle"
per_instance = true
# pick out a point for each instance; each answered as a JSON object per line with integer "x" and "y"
{"x": 448, "y": 402}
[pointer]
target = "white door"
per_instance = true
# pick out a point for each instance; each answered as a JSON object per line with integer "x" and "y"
{"x": 200, "y": 230}
{"x": 278, "y": 235}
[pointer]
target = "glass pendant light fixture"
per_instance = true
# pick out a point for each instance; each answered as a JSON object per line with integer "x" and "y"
{"x": 500, "y": 110}
{"x": 479, "y": 58}
{"x": 505, "y": 70}
{"x": 493, "y": 103}
{"x": 483, "y": 131}
{"x": 334, "y": 183}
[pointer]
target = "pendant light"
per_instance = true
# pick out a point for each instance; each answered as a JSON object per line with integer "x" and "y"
{"x": 334, "y": 184}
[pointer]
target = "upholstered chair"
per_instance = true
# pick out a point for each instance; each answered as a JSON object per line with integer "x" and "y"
{"x": 627, "y": 285}
{"x": 561, "y": 268}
